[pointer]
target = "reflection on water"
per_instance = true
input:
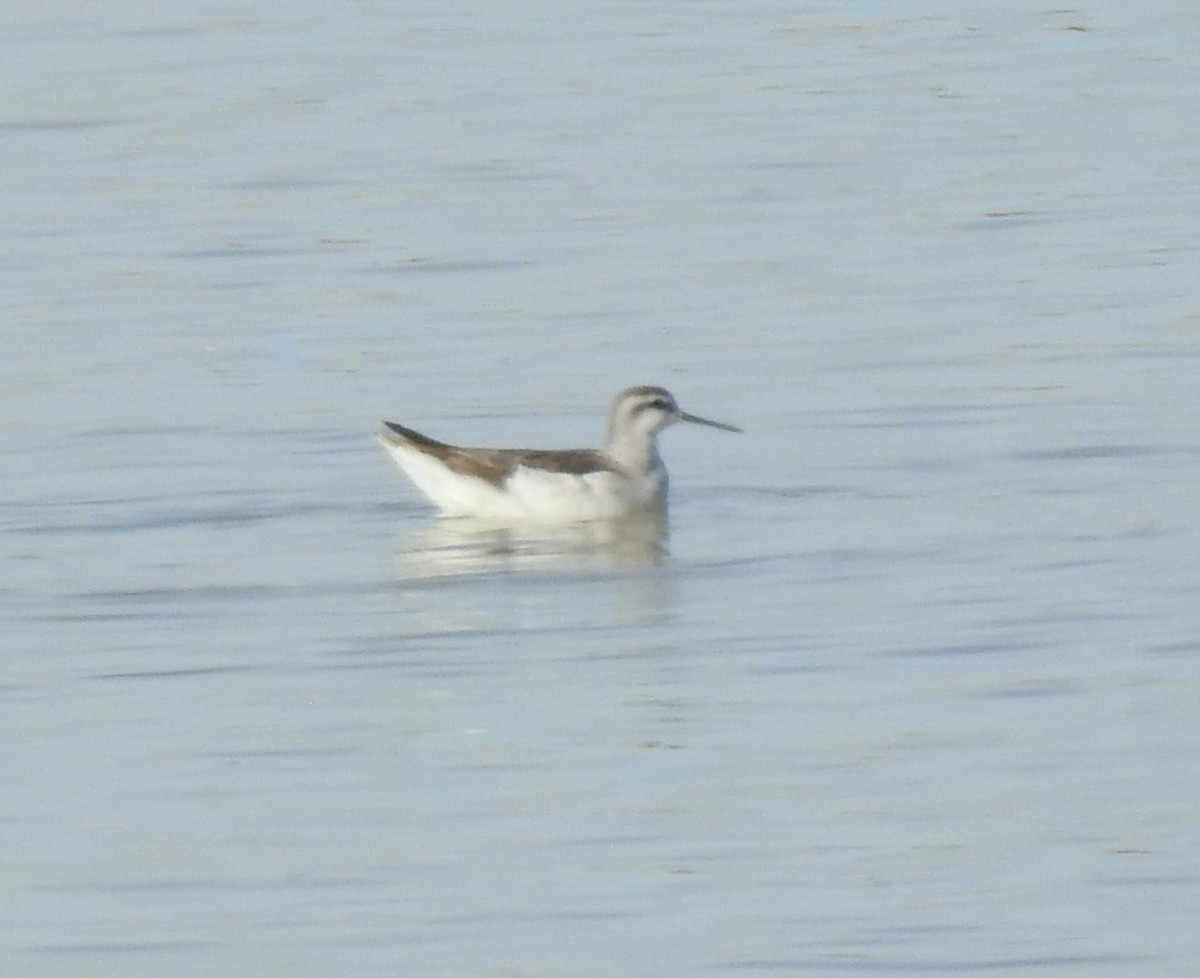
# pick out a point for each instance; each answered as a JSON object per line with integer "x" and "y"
{"x": 452, "y": 546}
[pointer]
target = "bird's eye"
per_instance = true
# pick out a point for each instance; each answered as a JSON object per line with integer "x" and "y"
{"x": 660, "y": 404}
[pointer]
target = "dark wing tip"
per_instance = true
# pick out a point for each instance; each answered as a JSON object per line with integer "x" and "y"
{"x": 408, "y": 434}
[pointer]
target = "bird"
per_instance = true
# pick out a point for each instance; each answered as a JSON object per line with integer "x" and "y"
{"x": 623, "y": 478}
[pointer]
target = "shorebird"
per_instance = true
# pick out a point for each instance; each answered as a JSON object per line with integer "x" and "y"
{"x": 625, "y": 477}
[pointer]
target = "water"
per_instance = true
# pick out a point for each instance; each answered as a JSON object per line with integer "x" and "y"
{"x": 911, "y": 688}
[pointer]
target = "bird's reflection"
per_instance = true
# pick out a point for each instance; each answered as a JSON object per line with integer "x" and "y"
{"x": 447, "y": 547}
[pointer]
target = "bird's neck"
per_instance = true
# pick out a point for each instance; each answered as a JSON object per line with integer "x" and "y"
{"x": 634, "y": 452}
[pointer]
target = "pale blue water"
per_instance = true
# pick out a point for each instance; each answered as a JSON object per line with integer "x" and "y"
{"x": 913, "y": 687}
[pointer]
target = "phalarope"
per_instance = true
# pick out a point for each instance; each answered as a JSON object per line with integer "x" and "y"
{"x": 624, "y": 477}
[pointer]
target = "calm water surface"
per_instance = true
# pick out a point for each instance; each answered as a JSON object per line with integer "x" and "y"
{"x": 911, "y": 686}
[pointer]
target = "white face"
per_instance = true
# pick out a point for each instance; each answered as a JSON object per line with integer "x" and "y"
{"x": 648, "y": 410}
{"x": 651, "y": 411}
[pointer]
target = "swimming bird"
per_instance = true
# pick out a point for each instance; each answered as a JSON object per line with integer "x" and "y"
{"x": 625, "y": 477}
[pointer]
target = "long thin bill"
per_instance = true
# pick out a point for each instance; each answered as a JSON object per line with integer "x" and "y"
{"x": 684, "y": 416}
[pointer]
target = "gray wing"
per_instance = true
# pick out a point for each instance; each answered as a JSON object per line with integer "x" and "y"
{"x": 495, "y": 465}
{"x": 578, "y": 461}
